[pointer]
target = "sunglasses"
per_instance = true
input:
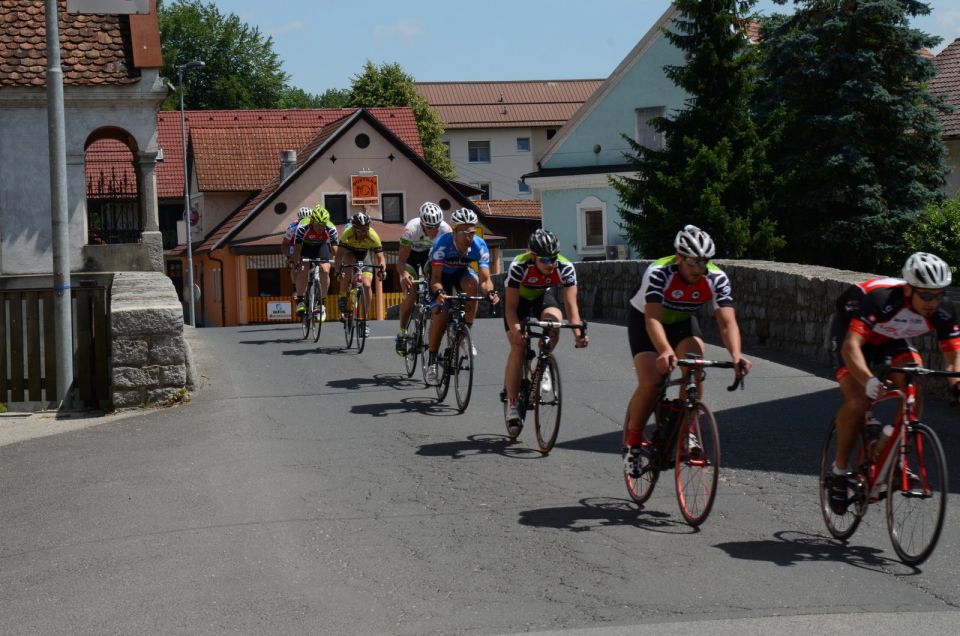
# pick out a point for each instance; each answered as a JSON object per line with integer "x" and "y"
{"x": 696, "y": 262}
{"x": 930, "y": 296}
{"x": 547, "y": 260}
{"x": 466, "y": 232}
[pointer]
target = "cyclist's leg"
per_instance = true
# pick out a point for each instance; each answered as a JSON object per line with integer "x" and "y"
{"x": 469, "y": 284}
{"x": 511, "y": 374}
{"x": 325, "y": 270}
{"x": 549, "y": 309}
{"x": 368, "y": 288}
{"x": 644, "y": 397}
{"x": 848, "y": 417}
{"x": 690, "y": 341}
{"x": 439, "y": 321}
{"x": 416, "y": 262}
{"x": 349, "y": 258}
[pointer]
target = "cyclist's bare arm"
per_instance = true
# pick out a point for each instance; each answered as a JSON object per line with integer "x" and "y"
{"x": 436, "y": 271}
{"x": 382, "y": 262}
{"x": 297, "y": 248}
{"x": 406, "y": 280}
{"x": 730, "y": 334}
{"x": 514, "y": 335}
{"x": 652, "y": 315}
{"x": 852, "y": 353}
{"x": 486, "y": 285}
{"x": 573, "y": 314}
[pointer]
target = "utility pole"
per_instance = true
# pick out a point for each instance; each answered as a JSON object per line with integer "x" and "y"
{"x": 181, "y": 69}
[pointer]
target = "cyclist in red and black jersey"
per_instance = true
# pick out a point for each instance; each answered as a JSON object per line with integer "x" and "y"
{"x": 874, "y": 321}
{"x": 662, "y": 326}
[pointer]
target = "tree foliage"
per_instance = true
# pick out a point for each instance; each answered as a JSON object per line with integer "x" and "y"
{"x": 388, "y": 85}
{"x": 712, "y": 169}
{"x": 936, "y": 230}
{"x": 241, "y": 68}
{"x": 299, "y": 98}
{"x": 856, "y": 145}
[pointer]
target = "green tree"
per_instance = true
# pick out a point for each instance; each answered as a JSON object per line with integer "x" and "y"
{"x": 936, "y": 230}
{"x": 389, "y": 85}
{"x": 713, "y": 167}
{"x": 242, "y": 70}
{"x": 858, "y": 149}
{"x": 299, "y": 98}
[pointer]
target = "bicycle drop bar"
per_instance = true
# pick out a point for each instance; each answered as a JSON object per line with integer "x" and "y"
{"x": 717, "y": 364}
{"x": 553, "y": 324}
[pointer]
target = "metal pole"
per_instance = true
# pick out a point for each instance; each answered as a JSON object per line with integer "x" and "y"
{"x": 56, "y": 131}
{"x": 186, "y": 201}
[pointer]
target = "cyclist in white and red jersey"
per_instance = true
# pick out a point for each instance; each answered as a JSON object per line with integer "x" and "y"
{"x": 662, "y": 326}
{"x": 316, "y": 237}
{"x": 286, "y": 245}
{"x": 875, "y": 321}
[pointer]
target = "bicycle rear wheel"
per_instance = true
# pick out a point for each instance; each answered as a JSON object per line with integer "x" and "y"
{"x": 697, "y": 465}
{"x": 640, "y": 484}
{"x": 317, "y": 312}
{"x": 361, "y": 319}
{"x": 414, "y": 338}
{"x": 546, "y": 403}
{"x": 463, "y": 368}
{"x": 841, "y": 525}
{"x": 917, "y": 495}
{"x": 306, "y": 320}
{"x": 444, "y": 357}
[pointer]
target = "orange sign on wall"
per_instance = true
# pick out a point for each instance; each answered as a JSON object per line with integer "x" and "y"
{"x": 364, "y": 189}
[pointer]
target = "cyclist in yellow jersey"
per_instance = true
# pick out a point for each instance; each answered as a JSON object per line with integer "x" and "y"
{"x": 355, "y": 242}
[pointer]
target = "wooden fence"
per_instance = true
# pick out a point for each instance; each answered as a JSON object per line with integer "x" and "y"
{"x": 259, "y": 307}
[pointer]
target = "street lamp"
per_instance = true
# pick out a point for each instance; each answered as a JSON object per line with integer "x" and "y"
{"x": 181, "y": 69}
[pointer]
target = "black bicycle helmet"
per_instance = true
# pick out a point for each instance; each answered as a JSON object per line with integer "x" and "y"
{"x": 544, "y": 243}
{"x": 360, "y": 220}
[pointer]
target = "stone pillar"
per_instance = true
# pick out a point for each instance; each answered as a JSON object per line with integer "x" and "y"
{"x": 151, "y": 237}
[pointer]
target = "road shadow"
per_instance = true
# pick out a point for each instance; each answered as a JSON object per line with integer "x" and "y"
{"x": 480, "y": 444}
{"x": 396, "y": 381}
{"x": 421, "y": 405}
{"x": 315, "y": 350}
{"x": 792, "y": 547}
{"x": 604, "y": 512}
{"x": 290, "y": 327}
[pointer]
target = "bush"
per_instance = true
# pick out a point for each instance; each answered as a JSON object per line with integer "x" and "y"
{"x": 936, "y": 230}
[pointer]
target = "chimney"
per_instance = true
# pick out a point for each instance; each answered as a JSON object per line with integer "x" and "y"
{"x": 288, "y": 163}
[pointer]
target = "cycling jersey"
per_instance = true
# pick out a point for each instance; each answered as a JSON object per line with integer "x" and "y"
{"x": 662, "y": 284}
{"x": 308, "y": 235}
{"x": 885, "y": 314}
{"x": 531, "y": 283}
{"x": 445, "y": 253}
{"x": 353, "y": 242}
{"x": 415, "y": 236}
{"x": 289, "y": 235}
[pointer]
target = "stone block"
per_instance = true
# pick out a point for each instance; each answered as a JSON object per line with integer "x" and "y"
{"x": 173, "y": 376}
{"x": 147, "y": 321}
{"x": 126, "y": 399}
{"x": 166, "y": 350}
{"x": 159, "y": 396}
{"x": 130, "y": 352}
{"x": 130, "y": 377}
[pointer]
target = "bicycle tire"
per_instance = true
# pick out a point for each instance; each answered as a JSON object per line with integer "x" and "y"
{"x": 462, "y": 368}
{"x": 641, "y": 486}
{"x": 424, "y": 348}
{"x": 361, "y": 319}
{"x": 317, "y": 313}
{"x": 697, "y": 470}
{"x": 410, "y": 360}
{"x": 914, "y": 534}
{"x": 547, "y": 406}
{"x": 348, "y": 324}
{"x": 841, "y": 526}
{"x": 306, "y": 320}
{"x": 443, "y": 360}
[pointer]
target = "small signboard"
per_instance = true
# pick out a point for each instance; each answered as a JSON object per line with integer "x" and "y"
{"x": 364, "y": 189}
{"x": 112, "y": 7}
{"x": 279, "y": 310}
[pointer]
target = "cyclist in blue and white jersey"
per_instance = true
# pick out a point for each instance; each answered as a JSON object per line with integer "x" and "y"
{"x": 451, "y": 261}
{"x": 413, "y": 258}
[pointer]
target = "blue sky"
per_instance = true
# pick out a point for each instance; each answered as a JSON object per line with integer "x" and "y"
{"x": 324, "y": 43}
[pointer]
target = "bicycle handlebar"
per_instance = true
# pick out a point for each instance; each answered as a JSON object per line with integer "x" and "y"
{"x": 884, "y": 372}
{"x": 530, "y": 321}
{"x": 700, "y": 363}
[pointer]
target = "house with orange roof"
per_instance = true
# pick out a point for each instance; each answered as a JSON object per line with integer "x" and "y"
{"x": 947, "y": 85}
{"x": 237, "y": 258}
{"x": 112, "y": 90}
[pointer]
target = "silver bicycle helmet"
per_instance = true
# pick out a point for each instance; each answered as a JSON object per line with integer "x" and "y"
{"x": 692, "y": 241}
{"x": 303, "y": 213}
{"x": 544, "y": 243}
{"x": 360, "y": 220}
{"x": 464, "y": 216}
{"x": 926, "y": 271}
{"x": 430, "y": 214}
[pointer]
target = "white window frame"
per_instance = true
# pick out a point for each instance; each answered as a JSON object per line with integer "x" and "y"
{"x": 479, "y": 141}
{"x": 403, "y": 206}
{"x": 524, "y": 139}
{"x": 590, "y": 204}
{"x": 481, "y": 185}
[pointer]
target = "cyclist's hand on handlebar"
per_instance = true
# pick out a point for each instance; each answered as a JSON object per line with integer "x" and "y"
{"x": 493, "y": 296}
{"x": 873, "y": 388}
{"x": 406, "y": 281}
{"x": 515, "y": 335}
{"x": 741, "y": 366}
{"x": 580, "y": 339}
{"x": 666, "y": 362}
{"x": 381, "y": 273}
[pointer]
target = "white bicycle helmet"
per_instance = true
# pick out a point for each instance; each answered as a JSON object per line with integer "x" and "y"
{"x": 430, "y": 214}
{"x": 303, "y": 213}
{"x": 464, "y": 216}
{"x": 926, "y": 271}
{"x": 692, "y": 241}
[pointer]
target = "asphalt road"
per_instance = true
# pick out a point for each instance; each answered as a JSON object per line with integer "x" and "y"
{"x": 310, "y": 490}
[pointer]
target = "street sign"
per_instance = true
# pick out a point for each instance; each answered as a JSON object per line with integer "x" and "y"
{"x": 280, "y": 310}
{"x": 114, "y": 7}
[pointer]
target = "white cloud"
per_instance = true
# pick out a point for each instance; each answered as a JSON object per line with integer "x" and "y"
{"x": 287, "y": 27}
{"x": 402, "y": 30}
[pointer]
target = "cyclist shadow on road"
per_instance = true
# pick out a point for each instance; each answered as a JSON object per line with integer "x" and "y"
{"x": 483, "y": 444}
{"x": 423, "y": 406}
{"x": 603, "y": 512}
{"x": 378, "y": 380}
{"x": 792, "y": 547}
{"x": 315, "y": 350}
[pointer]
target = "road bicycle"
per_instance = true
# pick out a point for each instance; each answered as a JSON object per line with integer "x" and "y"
{"x": 456, "y": 358}
{"x": 909, "y": 472}
{"x": 416, "y": 345}
{"x": 354, "y": 317}
{"x": 540, "y": 381}
{"x": 684, "y": 437}
{"x": 314, "y": 312}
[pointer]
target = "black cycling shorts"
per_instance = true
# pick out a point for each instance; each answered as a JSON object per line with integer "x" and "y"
{"x": 640, "y": 340}
{"x": 315, "y": 250}
{"x": 419, "y": 263}
{"x": 533, "y": 308}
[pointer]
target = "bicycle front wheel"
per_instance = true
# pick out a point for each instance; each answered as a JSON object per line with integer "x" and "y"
{"x": 463, "y": 368}
{"x": 414, "y": 338}
{"x": 640, "y": 482}
{"x": 349, "y": 323}
{"x": 917, "y": 495}
{"x": 306, "y": 320}
{"x": 361, "y": 320}
{"x": 317, "y": 312}
{"x": 546, "y": 403}
{"x": 697, "y": 465}
{"x": 444, "y": 357}
{"x": 841, "y": 522}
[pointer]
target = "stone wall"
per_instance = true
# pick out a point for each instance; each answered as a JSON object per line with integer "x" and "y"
{"x": 151, "y": 359}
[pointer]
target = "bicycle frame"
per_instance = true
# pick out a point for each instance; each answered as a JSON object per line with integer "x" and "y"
{"x": 528, "y": 327}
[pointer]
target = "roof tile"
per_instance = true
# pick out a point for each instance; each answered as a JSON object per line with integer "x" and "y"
{"x": 510, "y": 208}
{"x": 947, "y": 84}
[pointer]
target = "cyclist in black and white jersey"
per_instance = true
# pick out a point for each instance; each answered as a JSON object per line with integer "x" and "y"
{"x": 414, "y": 254}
